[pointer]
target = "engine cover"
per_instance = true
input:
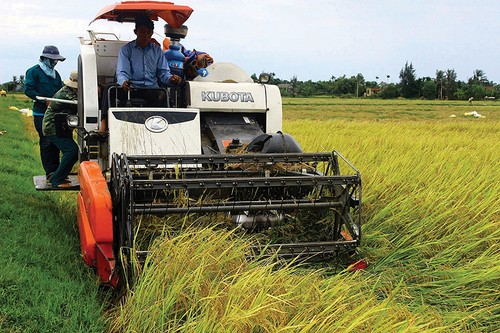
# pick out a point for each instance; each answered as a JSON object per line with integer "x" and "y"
{"x": 274, "y": 143}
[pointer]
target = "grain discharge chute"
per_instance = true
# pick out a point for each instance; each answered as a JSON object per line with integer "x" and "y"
{"x": 211, "y": 152}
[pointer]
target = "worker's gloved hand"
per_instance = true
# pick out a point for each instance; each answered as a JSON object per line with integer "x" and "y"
{"x": 175, "y": 79}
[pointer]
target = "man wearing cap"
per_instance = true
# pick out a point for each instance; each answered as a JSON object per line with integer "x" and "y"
{"x": 43, "y": 80}
{"x": 56, "y": 130}
{"x": 141, "y": 63}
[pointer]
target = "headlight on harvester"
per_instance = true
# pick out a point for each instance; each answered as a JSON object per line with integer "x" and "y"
{"x": 264, "y": 78}
{"x": 72, "y": 121}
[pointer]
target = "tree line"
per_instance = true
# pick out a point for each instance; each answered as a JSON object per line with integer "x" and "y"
{"x": 16, "y": 84}
{"x": 443, "y": 86}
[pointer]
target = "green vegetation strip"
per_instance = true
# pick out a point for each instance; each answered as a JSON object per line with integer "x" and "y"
{"x": 44, "y": 286}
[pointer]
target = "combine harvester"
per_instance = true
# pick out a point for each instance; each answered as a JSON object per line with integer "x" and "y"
{"x": 214, "y": 151}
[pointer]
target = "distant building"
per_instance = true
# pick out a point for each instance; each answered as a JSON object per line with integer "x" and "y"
{"x": 372, "y": 91}
{"x": 285, "y": 86}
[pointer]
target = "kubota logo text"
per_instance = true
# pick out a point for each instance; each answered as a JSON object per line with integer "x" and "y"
{"x": 224, "y": 96}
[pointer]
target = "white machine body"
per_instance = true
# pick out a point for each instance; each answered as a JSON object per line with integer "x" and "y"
{"x": 175, "y": 130}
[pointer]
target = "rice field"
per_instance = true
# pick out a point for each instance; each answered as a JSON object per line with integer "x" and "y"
{"x": 431, "y": 191}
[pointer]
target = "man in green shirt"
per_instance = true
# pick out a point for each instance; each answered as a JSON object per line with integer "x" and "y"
{"x": 55, "y": 129}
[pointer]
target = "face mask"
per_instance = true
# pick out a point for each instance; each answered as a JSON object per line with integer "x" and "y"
{"x": 47, "y": 67}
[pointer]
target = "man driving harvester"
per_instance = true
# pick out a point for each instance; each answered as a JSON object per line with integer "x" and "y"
{"x": 141, "y": 64}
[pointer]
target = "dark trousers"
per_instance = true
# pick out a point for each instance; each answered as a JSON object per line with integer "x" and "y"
{"x": 70, "y": 156}
{"x": 49, "y": 153}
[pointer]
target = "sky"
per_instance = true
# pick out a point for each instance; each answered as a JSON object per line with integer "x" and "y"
{"x": 309, "y": 39}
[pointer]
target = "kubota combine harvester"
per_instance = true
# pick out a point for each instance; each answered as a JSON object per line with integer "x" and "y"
{"x": 212, "y": 150}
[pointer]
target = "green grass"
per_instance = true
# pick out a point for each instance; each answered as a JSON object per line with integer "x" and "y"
{"x": 431, "y": 232}
{"x": 43, "y": 285}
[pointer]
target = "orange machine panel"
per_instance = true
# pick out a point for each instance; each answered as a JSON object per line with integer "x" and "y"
{"x": 96, "y": 201}
{"x": 87, "y": 241}
{"x": 95, "y": 220}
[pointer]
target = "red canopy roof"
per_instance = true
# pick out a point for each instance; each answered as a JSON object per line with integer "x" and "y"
{"x": 126, "y": 11}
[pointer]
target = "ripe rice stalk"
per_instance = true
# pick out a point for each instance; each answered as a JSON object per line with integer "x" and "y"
{"x": 431, "y": 207}
{"x": 201, "y": 281}
{"x": 431, "y": 198}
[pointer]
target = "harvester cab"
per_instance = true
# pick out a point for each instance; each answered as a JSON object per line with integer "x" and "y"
{"x": 212, "y": 151}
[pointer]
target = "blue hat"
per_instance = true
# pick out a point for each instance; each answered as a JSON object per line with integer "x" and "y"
{"x": 52, "y": 52}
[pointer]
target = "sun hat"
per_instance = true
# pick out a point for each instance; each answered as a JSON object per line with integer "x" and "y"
{"x": 73, "y": 80}
{"x": 52, "y": 52}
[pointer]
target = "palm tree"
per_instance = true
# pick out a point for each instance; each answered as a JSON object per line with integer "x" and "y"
{"x": 439, "y": 82}
{"x": 294, "y": 83}
{"x": 451, "y": 77}
{"x": 478, "y": 77}
{"x": 359, "y": 80}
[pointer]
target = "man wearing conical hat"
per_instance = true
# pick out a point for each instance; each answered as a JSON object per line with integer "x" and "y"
{"x": 56, "y": 130}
